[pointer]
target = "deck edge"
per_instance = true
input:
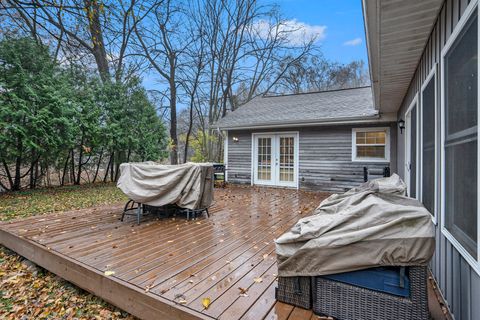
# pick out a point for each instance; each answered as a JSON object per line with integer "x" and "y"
{"x": 119, "y": 293}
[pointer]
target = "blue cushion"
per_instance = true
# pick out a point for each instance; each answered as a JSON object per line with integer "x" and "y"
{"x": 383, "y": 279}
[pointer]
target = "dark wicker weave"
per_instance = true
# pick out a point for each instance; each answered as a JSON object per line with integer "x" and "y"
{"x": 295, "y": 291}
{"x": 346, "y": 302}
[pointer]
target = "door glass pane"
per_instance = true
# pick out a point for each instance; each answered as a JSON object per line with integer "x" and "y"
{"x": 428, "y": 147}
{"x": 461, "y": 111}
{"x": 286, "y": 163}
{"x": 264, "y": 166}
{"x": 413, "y": 153}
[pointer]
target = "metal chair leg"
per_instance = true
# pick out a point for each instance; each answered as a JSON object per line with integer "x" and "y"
{"x": 208, "y": 214}
{"x": 125, "y": 209}
{"x": 139, "y": 212}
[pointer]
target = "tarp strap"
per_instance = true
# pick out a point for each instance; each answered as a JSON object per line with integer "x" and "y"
{"x": 402, "y": 277}
{"x": 296, "y": 286}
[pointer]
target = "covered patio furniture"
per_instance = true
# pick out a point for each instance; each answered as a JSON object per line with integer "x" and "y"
{"x": 186, "y": 187}
{"x": 371, "y": 226}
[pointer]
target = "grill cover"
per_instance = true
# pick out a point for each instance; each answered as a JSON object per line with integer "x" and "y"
{"x": 370, "y": 226}
{"x": 188, "y": 185}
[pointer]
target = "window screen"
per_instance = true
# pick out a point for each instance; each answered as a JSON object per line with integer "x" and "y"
{"x": 428, "y": 146}
{"x": 461, "y": 110}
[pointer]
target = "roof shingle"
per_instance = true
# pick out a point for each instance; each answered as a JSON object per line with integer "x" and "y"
{"x": 296, "y": 109}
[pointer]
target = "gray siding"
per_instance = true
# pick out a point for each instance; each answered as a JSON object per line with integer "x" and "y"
{"x": 459, "y": 283}
{"x": 239, "y": 162}
{"x": 325, "y": 155}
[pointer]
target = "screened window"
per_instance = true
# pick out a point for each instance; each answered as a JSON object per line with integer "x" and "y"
{"x": 460, "y": 140}
{"x": 428, "y": 146}
{"x": 370, "y": 144}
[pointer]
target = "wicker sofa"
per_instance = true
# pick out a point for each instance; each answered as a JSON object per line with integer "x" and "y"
{"x": 347, "y": 302}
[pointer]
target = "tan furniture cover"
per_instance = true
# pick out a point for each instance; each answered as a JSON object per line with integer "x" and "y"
{"x": 369, "y": 226}
{"x": 188, "y": 185}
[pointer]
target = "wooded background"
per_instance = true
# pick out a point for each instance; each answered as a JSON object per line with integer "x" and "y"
{"x": 72, "y": 103}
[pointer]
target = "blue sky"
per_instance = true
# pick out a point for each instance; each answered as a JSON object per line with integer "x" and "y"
{"x": 343, "y": 21}
{"x": 340, "y": 22}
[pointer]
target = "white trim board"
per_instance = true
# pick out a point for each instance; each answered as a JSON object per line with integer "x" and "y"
{"x": 225, "y": 156}
{"x": 432, "y": 75}
{"x": 407, "y": 141}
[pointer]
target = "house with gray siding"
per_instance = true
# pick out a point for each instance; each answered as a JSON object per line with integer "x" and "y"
{"x": 423, "y": 58}
{"x": 319, "y": 140}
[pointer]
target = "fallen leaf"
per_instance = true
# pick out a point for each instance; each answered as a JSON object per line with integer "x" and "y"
{"x": 109, "y": 273}
{"x": 258, "y": 280}
{"x": 243, "y": 292}
{"x": 206, "y": 302}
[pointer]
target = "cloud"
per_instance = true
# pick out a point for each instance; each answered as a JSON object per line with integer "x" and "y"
{"x": 294, "y": 31}
{"x": 353, "y": 42}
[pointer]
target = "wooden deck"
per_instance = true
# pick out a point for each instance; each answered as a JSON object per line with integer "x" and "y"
{"x": 163, "y": 268}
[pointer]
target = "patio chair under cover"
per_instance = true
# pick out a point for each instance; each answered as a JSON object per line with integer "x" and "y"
{"x": 369, "y": 226}
{"x": 188, "y": 185}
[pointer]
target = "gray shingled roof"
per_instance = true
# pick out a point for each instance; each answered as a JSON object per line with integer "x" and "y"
{"x": 305, "y": 108}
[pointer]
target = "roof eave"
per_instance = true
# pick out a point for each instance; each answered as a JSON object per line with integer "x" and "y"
{"x": 371, "y": 16}
{"x": 338, "y": 121}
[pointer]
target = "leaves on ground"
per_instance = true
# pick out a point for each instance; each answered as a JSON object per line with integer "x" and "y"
{"x": 206, "y": 302}
{"x": 258, "y": 280}
{"x": 30, "y": 292}
{"x": 42, "y": 201}
{"x": 243, "y": 291}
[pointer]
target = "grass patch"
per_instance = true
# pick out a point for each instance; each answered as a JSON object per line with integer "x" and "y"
{"x": 48, "y": 200}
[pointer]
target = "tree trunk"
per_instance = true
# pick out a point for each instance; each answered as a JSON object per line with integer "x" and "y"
{"x": 32, "y": 171}
{"x": 18, "y": 166}
{"x": 80, "y": 159}
{"x": 94, "y": 25}
{"x": 65, "y": 166}
{"x": 189, "y": 132}
{"x": 173, "y": 119}
{"x": 98, "y": 166}
{"x": 129, "y": 154}
{"x": 112, "y": 166}
{"x": 7, "y": 172}
{"x": 72, "y": 166}
{"x": 108, "y": 167}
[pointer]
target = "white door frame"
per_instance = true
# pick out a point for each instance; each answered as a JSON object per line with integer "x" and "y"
{"x": 408, "y": 141}
{"x": 275, "y": 152}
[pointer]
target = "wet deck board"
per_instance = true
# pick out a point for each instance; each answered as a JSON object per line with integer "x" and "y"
{"x": 165, "y": 267}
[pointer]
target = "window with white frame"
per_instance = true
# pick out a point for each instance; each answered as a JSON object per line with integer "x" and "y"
{"x": 459, "y": 138}
{"x": 371, "y": 144}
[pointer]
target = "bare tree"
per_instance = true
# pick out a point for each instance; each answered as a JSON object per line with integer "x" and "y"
{"x": 159, "y": 36}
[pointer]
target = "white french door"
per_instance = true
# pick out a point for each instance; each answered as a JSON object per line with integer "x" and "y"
{"x": 275, "y": 159}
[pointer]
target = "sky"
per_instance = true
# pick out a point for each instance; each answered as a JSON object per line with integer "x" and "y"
{"x": 340, "y": 23}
